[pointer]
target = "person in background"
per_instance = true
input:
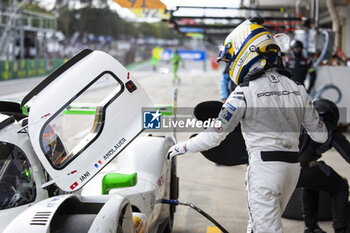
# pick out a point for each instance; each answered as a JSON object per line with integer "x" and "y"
{"x": 317, "y": 176}
{"x": 154, "y": 63}
{"x": 299, "y": 65}
{"x": 226, "y": 85}
{"x": 155, "y": 57}
{"x": 176, "y": 62}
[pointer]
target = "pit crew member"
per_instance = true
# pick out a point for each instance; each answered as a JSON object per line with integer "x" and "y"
{"x": 299, "y": 65}
{"x": 317, "y": 176}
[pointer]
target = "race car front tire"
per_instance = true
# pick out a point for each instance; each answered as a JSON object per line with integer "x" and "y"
{"x": 174, "y": 195}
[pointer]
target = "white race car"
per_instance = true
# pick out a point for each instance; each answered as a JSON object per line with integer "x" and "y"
{"x": 52, "y": 155}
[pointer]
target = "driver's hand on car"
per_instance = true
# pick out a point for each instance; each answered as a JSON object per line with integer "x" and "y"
{"x": 177, "y": 149}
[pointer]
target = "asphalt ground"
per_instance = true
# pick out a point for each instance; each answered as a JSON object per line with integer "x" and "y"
{"x": 218, "y": 190}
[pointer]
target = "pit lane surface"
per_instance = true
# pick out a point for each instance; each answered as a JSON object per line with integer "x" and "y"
{"x": 218, "y": 190}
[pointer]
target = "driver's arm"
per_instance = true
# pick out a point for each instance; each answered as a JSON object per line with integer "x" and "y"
{"x": 229, "y": 117}
{"x": 314, "y": 126}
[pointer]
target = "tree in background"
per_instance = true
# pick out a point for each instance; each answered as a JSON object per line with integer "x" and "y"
{"x": 61, "y": 4}
{"x": 95, "y": 17}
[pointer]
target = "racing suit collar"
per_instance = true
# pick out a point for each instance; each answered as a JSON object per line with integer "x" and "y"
{"x": 255, "y": 74}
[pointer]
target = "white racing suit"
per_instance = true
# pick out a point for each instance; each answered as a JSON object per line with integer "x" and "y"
{"x": 271, "y": 110}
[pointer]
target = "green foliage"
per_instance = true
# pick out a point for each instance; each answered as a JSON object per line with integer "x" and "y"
{"x": 94, "y": 16}
{"x": 103, "y": 21}
{"x": 37, "y": 8}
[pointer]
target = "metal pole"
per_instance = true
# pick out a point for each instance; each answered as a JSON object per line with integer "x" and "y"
{"x": 174, "y": 110}
{"x": 312, "y": 12}
{"x": 45, "y": 47}
{"x": 1, "y": 10}
{"x": 317, "y": 10}
{"x": 21, "y": 38}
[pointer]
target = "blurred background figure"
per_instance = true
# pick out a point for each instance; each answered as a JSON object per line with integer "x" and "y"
{"x": 156, "y": 53}
{"x": 176, "y": 62}
{"x": 226, "y": 85}
{"x": 300, "y": 65}
{"x": 214, "y": 63}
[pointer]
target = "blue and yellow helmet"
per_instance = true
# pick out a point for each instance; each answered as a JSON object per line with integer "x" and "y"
{"x": 244, "y": 46}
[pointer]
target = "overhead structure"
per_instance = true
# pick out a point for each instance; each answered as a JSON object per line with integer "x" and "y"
{"x": 216, "y": 26}
{"x": 145, "y": 8}
{"x": 16, "y": 23}
{"x": 149, "y": 4}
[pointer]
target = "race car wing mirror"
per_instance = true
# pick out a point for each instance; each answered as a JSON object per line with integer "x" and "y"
{"x": 117, "y": 180}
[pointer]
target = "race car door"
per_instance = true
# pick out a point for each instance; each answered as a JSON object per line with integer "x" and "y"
{"x": 82, "y": 116}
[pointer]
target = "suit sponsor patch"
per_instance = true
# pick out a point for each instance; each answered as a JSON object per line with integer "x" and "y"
{"x": 225, "y": 114}
{"x": 219, "y": 129}
{"x": 230, "y": 106}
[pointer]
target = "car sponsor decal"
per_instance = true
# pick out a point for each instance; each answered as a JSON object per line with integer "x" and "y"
{"x": 109, "y": 154}
{"x": 84, "y": 176}
{"x": 46, "y": 115}
{"x": 98, "y": 164}
{"x": 74, "y": 185}
{"x": 160, "y": 181}
{"x": 52, "y": 202}
{"x": 138, "y": 225}
{"x": 41, "y": 118}
{"x": 225, "y": 114}
{"x": 72, "y": 172}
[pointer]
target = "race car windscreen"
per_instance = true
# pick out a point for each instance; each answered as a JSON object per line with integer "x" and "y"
{"x": 17, "y": 186}
{"x": 77, "y": 125}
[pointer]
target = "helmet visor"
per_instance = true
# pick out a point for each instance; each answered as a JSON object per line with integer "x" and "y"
{"x": 225, "y": 54}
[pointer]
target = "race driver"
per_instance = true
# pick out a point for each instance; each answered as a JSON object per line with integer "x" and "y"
{"x": 271, "y": 108}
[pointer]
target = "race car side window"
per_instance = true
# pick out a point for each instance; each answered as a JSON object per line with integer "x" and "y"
{"x": 17, "y": 186}
{"x": 76, "y": 125}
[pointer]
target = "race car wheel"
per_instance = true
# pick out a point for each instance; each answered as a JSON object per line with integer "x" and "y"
{"x": 120, "y": 224}
{"x": 174, "y": 194}
{"x": 120, "y": 229}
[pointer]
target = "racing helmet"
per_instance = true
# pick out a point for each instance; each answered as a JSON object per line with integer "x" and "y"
{"x": 247, "y": 44}
{"x": 296, "y": 44}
